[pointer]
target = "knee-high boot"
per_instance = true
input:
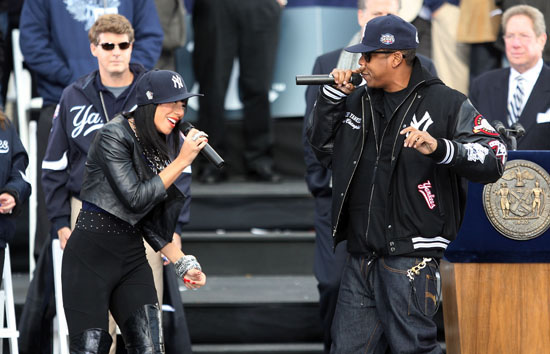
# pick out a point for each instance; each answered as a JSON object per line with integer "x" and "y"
{"x": 142, "y": 332}
{"x": 91, "y": 341}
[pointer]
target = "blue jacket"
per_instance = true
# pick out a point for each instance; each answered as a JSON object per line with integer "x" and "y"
{"x": 54, "y": 39}
{"x": 13, "y": 163}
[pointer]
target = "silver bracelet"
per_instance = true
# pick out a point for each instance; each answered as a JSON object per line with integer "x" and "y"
{"x": 185, "y": 263}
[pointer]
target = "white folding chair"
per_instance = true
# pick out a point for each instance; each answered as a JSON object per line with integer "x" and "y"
{"x": 8, "y": 307}
{"x": 27, "y": 131}
{"x": 60, "y": 330}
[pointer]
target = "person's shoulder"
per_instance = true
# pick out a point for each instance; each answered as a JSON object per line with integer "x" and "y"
{"x": 545, "y": 70}
{"x": 330, "y": 57}
{"x": 80, "y": 84}
{"x": 137, "y": 69}
{"x": 115, "y": 127}
{"x": 490, "y": 76}
{"x": 443, "y": 93}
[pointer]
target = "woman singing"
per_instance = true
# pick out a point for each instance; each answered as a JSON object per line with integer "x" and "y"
{"x": 128, "y": 194}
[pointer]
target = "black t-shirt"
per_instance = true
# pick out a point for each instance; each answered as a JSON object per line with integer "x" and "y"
{"x": 369, "y": 187}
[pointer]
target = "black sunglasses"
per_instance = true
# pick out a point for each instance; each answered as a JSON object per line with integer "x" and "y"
{"x": 368, "y": 55}
{"x": 111, "y": 46}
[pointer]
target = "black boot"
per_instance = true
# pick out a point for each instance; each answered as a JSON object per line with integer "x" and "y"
{"x": 91, "y": 341}
{"x": 142, "y": 332}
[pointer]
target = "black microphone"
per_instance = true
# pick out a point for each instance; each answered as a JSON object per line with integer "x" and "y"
{"x": 520, "y": 130}
{"x": 356, "y": 79}
{"x": 499, "y": 127}
{"x": 207, "y": 150}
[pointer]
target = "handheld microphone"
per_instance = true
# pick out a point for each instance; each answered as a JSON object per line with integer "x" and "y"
{"x": 520, "y": 130}
{"x": 499, "y": 127}
{"x": 328, "y": 79}
{"x": 207, "y": 151}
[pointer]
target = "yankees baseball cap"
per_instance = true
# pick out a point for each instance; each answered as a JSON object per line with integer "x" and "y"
{"x": 386, "y": 32}
{"x": 161, "y": 86}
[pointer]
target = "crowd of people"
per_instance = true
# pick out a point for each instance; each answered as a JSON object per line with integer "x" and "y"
{"x": 386, "y": 160}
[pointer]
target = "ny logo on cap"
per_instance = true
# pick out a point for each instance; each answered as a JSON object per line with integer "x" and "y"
{"x": 178, "y": 83}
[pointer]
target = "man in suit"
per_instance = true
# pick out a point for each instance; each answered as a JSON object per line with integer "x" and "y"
{"x": 329, "y": 262}
{"x": 520, "y": 93}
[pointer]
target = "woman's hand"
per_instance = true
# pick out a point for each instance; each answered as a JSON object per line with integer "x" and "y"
{"x": 192, "y": 145}
{"x": 194, "y": 279}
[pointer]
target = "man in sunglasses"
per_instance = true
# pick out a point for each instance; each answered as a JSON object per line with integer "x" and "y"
{"x": 400, "y": 148}
{"x": 328, "y": 262}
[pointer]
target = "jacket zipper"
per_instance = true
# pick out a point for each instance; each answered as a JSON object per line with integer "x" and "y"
{"x": 361, "y": 152}
{"x": 355, "y": 167}
{"x": 378, "y": 148}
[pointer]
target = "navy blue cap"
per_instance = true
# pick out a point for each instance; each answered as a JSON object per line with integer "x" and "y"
{"x": 386, "y": 32}
{"x": 161, "y": 86}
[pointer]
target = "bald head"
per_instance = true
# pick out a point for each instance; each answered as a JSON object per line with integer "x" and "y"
{"x": 369, "y": 9}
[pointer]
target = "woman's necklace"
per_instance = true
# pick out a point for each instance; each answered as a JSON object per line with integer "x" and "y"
{"x": 156, "y": 163}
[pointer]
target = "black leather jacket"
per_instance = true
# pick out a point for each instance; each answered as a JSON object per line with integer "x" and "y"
{"x": 468, "y": 148}
{"x": 118, "y": 180}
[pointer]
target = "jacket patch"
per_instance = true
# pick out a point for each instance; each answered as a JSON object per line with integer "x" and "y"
{"x": 387, "y": 38}
{"x": 500, "y": 150}
{"x": 352, "y": 120}
{"x": 482, "y": 126}
{"x": 422, "y": 124}
{"x": 82, "y": 118}
{"x": 476, "y": 152}
{"x": 4, "y": 147}
{"x": 425, "y": 190}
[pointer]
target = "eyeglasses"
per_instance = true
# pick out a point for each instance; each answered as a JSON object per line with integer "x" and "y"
{"x": 111, "y": 46}
{"x": 368, "y": 55}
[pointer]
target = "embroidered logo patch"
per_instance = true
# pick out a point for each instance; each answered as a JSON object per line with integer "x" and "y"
{"x": 352, "y": 120}
{"x": 85, "y": 120}
{"x": 482, "y": 126}
{"x": 178, "y": 83}
{"x": 422, "y": 124}
{"x": 476, "y": 152}
{"x": 499, "y": 149}
{"x": 425, "y": 190}
{"x": 387, "y": 39}
{"x": 4, "y": 147}
{"x": 149, "y": 95}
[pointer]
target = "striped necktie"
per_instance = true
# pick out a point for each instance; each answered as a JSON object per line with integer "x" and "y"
{"x": 515, "y": 106}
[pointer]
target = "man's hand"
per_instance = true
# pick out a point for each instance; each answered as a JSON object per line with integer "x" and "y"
{"x": 7, "y": 203}
{"x": 63, "y": 233}
{"x": 342, "y": 79}
{"x": 420, "y": 140}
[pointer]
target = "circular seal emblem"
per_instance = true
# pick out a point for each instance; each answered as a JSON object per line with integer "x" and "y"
{"x": 518, "y": 204}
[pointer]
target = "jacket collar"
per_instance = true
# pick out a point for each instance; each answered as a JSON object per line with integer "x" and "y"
{"x": 419, "y": 78}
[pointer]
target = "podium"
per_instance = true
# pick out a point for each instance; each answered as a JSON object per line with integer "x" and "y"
{"x": 496, "y": 290}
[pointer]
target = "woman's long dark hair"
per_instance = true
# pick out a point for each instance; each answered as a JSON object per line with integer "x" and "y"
{"x": 150, "y": 137}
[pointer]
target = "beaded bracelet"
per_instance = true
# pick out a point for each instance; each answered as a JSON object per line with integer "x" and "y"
{"x": 185, "y": 263}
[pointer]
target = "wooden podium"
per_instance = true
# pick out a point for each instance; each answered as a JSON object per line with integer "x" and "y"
{"x": 496, "y": 291}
